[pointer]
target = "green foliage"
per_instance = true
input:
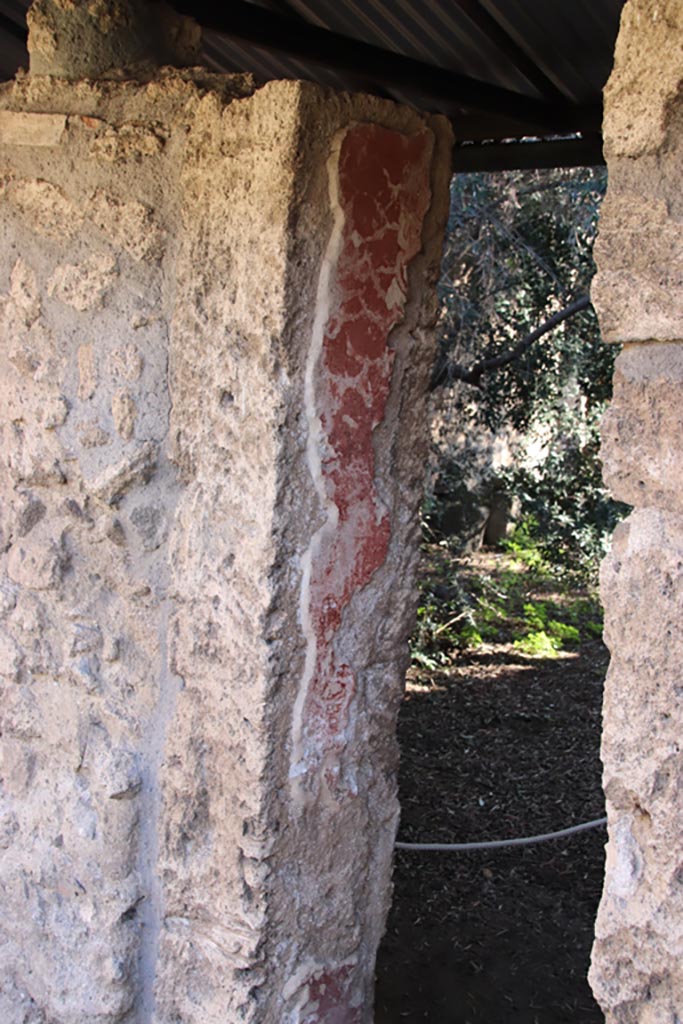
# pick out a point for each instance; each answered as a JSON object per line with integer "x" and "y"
{"x": 538, "y": 643}
{"x": 444, "y": 616}
{"x": 509, "y": 598}
{"x": 545, "y": 636}
{"x": 564, "y": 509}
{"x": 519, "y": 249}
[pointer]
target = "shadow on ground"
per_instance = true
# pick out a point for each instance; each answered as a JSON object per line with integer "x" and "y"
{"x": 500, "y": 745}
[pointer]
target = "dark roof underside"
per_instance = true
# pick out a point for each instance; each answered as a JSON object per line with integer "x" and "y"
{"x": 521, "y": 81}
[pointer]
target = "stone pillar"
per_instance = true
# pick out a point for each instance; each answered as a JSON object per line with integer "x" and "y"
{"x": 215, "y": 309}
{"x": 637, "y": 972}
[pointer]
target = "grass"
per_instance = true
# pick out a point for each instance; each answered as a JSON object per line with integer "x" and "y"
{"x": 509, "y": 597}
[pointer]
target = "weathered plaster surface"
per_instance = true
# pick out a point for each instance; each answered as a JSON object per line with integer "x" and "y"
{"x": 379, "y": 192}
{"x": 646, "y": 79}
{"x": 84, "y": 39}
{"x": 166, "y": 249}
{"x": 636, "y": 972}
{"x": 639, "y": 285}
{"x": 89, "y": 500}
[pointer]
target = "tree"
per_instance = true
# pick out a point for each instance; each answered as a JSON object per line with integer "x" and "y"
{"x": 520, "y": 348}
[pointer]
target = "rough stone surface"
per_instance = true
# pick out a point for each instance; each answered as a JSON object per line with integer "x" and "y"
{"x": 636, "y": 971}
{"x": 637, "y": 974}
{"x": 641, "y": 431}
{"x": 83, "y": 598}
{"x": 90, "y": 38}
{"x": 212, "y": 391}
{"x": 639, "y": 285}
{"x": 648, "y": 65}
{"x": 639, "y": 253}
{"x": 18, "y": 128}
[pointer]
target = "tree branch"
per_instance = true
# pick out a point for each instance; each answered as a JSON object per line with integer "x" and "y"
{"x": 474, "y": 374}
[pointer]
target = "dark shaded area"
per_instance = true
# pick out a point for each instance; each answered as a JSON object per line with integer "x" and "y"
{"x": 501, "y": 745}
{"x": 522, "y": 83}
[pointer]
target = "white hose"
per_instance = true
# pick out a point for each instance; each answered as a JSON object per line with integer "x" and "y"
{"x": 496, "y": 844}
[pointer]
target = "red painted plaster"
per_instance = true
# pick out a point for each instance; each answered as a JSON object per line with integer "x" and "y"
{"x": 329, "y": 998}
{"x": 384, "y": 192}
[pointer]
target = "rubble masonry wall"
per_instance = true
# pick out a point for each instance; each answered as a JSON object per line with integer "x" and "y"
{"x": 637, "y": 972}
{"x": 215, "y": 311}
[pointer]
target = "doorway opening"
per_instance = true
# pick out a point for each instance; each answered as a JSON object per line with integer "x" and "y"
{"x": 500, "y": 727}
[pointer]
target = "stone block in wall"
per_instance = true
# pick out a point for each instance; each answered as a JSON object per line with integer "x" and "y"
{"x": 641, "y": 451}
{"x": 645, "y": 82}
{"x": 639, "y": 253}
{"x": 637, "y": 973}
{"x": 639, "y": 285}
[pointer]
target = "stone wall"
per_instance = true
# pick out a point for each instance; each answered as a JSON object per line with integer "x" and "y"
{"x": 637, "y": 971}
{"x": 215, "y": 317}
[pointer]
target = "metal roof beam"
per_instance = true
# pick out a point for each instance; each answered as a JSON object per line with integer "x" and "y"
{"x": 585, "y": 151}
{"x": 10, "y": 26}
{"x": 271, "y": 31}
{"x": 497, "y": 35}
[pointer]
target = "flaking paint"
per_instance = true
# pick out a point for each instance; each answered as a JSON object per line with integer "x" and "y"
{"x": 379, "y": 193}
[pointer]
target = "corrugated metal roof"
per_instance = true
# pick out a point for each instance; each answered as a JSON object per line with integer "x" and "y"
{"x": 547, "y": 59}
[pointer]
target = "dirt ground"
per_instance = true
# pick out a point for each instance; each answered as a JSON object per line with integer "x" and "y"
{"x": 499, "y": 745}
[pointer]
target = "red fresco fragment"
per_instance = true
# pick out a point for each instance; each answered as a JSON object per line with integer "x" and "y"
{"x": 384, "y": 193}
{"x": 329, "y": 998}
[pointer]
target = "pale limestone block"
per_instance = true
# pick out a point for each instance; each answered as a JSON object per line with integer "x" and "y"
{"x": 36, "y": 464}
{"x": 127, "y": 143}
{"x": 24, "y": 292}
{"x": 128, "y": 225}
{"x": 121, "y": 477}
{"x": 9, "y": 827}
{"x": 87, "y": 371}
{"x": 19, "y": 128}
{"x": 127, "y": 363}
{"x": 11, "y": 658}
{"x": 84, "y": 285}
{"x": 641, "y": 452}
{"x": 53, "y": 412}
{"x": 110, "y": 528}
{"x": 92, "y": 435}
{"x": 38, "y": 561}
{"x": 638, "y": 290}
{"x": 18, "y": 767}
{"x": 8, "y": 598}
{"x": 114, "y": 770}
{"x": 124, "y": 411}
{"x": 46, "y": 209}
{"x": 645, "y": 79}
{"x": 637, "y": 973}
{"x": 32, "y": 351}
{"x": 23, "y": 717}
{"x": 633, "y": 309}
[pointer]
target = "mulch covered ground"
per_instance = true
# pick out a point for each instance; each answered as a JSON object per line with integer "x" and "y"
{"x": 499, "y": 745}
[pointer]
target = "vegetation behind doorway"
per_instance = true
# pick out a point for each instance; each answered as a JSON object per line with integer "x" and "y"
{"x": 500, "y": 728}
